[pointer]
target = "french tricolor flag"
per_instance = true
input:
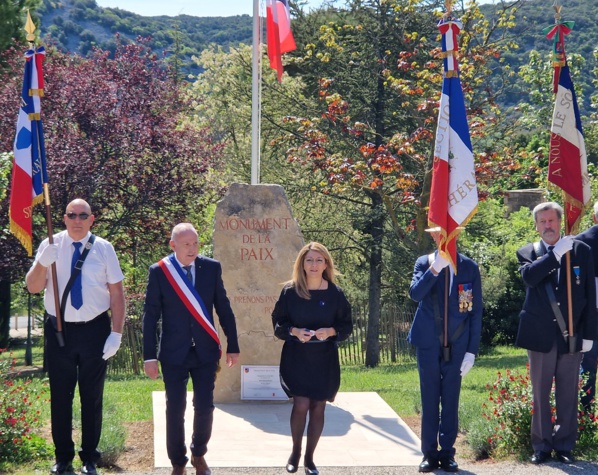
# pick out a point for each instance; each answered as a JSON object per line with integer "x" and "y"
{"x": 29, "y": 166}
{"x": 454, "y": 192}
{"x": 568, "y": 166}
{"x": 279, "y": 34}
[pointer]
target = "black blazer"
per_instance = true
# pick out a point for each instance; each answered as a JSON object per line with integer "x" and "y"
{"x": 179, "y": 328}
{"x": 538, "y": 327}
{"x": 590, "y": 237}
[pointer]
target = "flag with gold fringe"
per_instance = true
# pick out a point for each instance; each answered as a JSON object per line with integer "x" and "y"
{"x": 454, "y": 193}
{"x": 29, "y": 166}
{"x": 567, "y": 162}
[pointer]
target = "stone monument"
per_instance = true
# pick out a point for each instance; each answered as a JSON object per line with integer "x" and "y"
{"x": 256, "y": 239}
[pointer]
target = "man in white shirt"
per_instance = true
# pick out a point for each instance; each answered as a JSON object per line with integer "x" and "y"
{"x": 91, "y": 333}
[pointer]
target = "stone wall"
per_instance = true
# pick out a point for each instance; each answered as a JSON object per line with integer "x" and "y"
{"x": 516, "y": 199}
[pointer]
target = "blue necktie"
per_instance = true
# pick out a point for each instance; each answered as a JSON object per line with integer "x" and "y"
{"x": 188, "y": 271}
{"x": 76, "y": 293}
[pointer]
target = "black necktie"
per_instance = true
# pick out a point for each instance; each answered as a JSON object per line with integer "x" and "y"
{"x": 188, "y": 272}
{"x": 554, "y": 276}
{"x": 76, "y": 291}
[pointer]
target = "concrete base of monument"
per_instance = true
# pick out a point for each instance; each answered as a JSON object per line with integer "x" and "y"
{"x": 361, "y": 430}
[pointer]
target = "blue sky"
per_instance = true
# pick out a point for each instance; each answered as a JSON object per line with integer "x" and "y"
{"x": 195, "y": 7}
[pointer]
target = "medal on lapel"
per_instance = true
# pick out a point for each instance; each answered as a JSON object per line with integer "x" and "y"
{"x": 465, "y": 298}
{"x": 576, "y": 271}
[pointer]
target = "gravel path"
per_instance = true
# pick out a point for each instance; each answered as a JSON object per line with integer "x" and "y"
{"x": 466, "y": 468}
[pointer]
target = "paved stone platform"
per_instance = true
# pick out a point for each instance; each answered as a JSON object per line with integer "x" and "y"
{"x": 361, "y": 430}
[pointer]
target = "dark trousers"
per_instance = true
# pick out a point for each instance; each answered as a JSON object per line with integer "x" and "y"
{"x": 564, "y": 368}
{"x": 440, "y": 385}
{"x": 588, "y": 367}
{"x": 78, "y": 362}
{"x": 176, "y": 377}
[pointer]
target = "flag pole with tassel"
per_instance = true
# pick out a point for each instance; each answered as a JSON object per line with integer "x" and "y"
{"x": 453, "y": 171}
{"x": 567, "y": 165}
{"x": 39, "y": 143}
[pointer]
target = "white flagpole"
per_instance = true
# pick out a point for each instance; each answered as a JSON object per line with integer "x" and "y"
{"x": 256, "y": 96}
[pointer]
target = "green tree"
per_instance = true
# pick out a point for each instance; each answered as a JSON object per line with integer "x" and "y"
{"x": 377, "y": 70}
{"x": 13, "y": 14}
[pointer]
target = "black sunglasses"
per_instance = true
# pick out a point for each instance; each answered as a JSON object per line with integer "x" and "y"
{"x": 81, "y": 216}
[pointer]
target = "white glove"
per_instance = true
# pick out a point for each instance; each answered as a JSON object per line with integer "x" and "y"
{"x": 586, "y": 345}
{"x": 112, "y": 345}
{"x": 439, "y": 263}
{"x": 48, "y": 255}
{"x": 467, "y": 364}
{"x": 564, "y": 245}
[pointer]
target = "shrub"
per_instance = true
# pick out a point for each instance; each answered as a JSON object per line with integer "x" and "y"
{"x": 18, "y": 414}
{"x": 509, "y": 411}
{"x": 112, "y": 443}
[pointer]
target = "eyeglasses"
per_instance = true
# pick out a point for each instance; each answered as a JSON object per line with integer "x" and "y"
{"x": 81, "y": 216}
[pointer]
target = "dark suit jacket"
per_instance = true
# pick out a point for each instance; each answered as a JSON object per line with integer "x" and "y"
{"x": 538, "y": 327}
{"x": 590, "y": 237}
{"x": 179, "y": 328}
{"x": 425, "y": 332}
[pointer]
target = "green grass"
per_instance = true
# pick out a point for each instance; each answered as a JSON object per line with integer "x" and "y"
{"x": 398, "y": 384}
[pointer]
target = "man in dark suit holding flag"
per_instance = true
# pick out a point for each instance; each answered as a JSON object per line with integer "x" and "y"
{"x": 590, "y": 358}
{"x": 545, "y": 333}
{"x": 441, "y": 371}
{"x": 182, "y": 291}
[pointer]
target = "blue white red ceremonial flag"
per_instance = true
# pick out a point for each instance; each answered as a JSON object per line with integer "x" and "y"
{"x": 29, "y": 165}
{"x": 568, "y": 165}
{"x": 454, "y": 192}
{"x": 279, "y": 34}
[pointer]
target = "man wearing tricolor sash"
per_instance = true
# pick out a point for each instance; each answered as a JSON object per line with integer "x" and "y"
{"x": 182, "y": 291}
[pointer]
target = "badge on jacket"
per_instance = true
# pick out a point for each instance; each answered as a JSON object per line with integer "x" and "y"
{"x": 465, "y": 298}
{"x": 577, "y": 273}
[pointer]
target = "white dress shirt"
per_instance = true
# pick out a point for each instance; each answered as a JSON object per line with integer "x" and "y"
{"x": 100, "y": 268}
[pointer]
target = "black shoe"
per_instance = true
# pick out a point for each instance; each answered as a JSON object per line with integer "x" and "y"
{"x": 428, "y": 464}
{"x": 89, "y": 468}
{"x": 539, "y": 457}
{"x": 448, "y": 464}
{"x": 293, "y": 464}
{"x": 61, "y": 467}
{"x": 565, "y": 457}
{"x": 310, "y": 469}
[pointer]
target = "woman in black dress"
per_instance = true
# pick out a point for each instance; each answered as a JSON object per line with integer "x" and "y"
{"x": 312, "y": 314}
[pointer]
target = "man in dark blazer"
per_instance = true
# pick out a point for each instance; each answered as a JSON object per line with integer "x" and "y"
{"x": 439, "y": 375}
{"x": 182, "y": 291}
{"x": 543, "y": 268}
{"x": 590, "y": 358}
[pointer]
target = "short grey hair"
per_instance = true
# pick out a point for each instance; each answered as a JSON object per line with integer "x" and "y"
{"x": 546, "y": 206}
{"x": 180, "y": 228}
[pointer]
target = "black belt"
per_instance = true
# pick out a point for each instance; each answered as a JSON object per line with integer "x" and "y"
{"x": 87, "y": 322}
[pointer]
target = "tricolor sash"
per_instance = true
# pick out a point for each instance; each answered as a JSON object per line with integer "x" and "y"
{"x": 187, "y": 293}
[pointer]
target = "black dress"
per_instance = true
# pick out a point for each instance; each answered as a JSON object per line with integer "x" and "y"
{"x": 311, "y": 369}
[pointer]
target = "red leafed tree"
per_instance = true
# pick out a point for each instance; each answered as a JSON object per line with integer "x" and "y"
{"x": 116, "y": 136}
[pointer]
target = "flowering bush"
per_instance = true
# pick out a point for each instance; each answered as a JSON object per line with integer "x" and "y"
{"x": 587, "y": 438}
{"x": 18, "y": 415}
{"x": 510, "y": 408}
